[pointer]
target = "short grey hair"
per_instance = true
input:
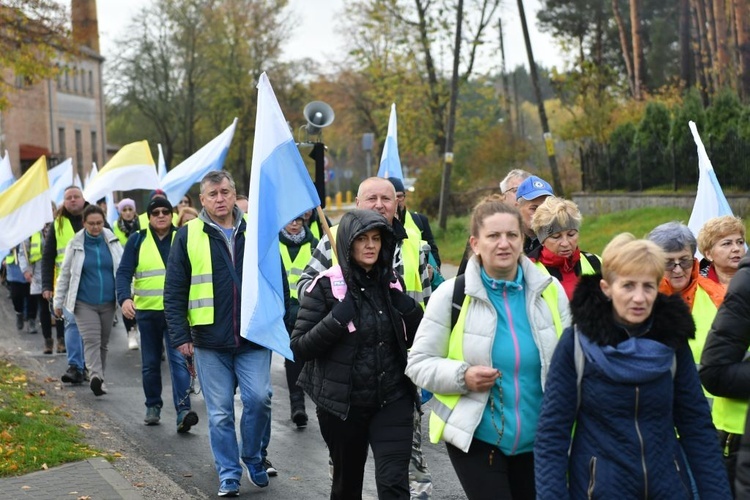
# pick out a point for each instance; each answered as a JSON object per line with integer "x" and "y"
{"x": 215, "y": 177}
{"x": 516, "y": 173}
{"x": 673, "y": 237}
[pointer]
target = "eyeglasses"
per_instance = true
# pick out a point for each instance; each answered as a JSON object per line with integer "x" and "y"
{"x": 400, "y": 196}
{"x": 298, "y": 220}
{"x": 160, "y": 211}
{"x": 684, "y": 264}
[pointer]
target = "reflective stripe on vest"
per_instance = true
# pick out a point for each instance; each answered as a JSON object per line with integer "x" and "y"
{"x": 443, "y": 404}
{"x": 201, "y": 295}
{"x": 35, "y": 248}
{"x": 148, "y": 288}
{"x": 294, "y": 268}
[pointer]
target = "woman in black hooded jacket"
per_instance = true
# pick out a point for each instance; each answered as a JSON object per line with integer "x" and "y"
{"x": 353, "y": 330}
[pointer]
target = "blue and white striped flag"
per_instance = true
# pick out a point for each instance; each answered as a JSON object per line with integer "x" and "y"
{"x": 210, "y": 157}
{"x": 390, "y": 163}
{"x": 60, "y": 177}
{"x": 709, "y": 200}
{"x": 280, "y": 190}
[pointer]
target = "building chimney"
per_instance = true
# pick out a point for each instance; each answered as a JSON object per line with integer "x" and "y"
{"x": 85, "y": 24}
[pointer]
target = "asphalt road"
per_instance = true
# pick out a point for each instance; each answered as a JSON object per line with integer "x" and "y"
{"x": 300, "y": 456}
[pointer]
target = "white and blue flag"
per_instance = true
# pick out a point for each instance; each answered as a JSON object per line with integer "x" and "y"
{"x": 280, "y": 190}
{"x": 161, "y": 164}
{"x": 60, "y": 177}
{"x": 210, "y": 157}
{"x": 6, "y": 172}
{"x": 709, "y": 200}
{"x": 390, "y": 163}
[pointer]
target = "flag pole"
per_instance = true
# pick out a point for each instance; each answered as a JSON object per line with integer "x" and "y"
{"x": 327, "y": 230}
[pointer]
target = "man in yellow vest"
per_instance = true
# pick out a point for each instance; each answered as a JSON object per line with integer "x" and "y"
{"x": 145, "y": 259}
{"x": 414, "y": 220}
{"x": 202, "y": 300}
{"x": 410, "y": 262}
{"x": 68, "y": 221}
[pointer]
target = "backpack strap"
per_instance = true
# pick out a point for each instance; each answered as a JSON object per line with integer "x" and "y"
{"x": 596, "y": 264}
{"x": 459, "y": 294}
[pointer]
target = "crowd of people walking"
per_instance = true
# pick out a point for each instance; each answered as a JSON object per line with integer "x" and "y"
{"x": 548, "y": 371}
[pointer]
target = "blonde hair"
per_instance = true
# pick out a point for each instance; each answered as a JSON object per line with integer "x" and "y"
{"x": 717, "y": 228}
{"x": 183, "y": 212}
{"x": 555, "y": 215}
{"x": 626, "y": 255}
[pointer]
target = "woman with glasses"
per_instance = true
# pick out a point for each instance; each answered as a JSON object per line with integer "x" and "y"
{"x": 296, "y": 243}
{"x": 86, "y": 286}
{"x": 682, "y": 276}
{"x": 721, "y": 240}
{"x": 127, "y": 223}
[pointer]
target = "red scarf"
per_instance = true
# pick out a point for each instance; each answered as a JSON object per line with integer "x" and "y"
{"x": 566, "y": 266}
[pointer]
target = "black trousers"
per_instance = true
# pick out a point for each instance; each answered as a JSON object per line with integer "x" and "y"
{"x": 20, "y": 296}
{"x": 293, "y": 370}
{"x": 388, "y": 431}
{"x": 487, "y": 474}
{"x": 45, "y": 319}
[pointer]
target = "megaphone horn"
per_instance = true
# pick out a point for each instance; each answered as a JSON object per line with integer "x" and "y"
{"x": 318, "y": 115}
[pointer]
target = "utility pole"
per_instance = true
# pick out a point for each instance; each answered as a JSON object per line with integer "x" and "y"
{"x": 446, "y": 182}
{"x": 506, "y": 85}
{"x": 548, "y": 141}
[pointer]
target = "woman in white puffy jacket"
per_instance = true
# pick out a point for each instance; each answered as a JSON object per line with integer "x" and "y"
{"x": 488, "y": 371}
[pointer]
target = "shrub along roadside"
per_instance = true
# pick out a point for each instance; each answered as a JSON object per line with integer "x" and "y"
{"x": 34, "y": 434}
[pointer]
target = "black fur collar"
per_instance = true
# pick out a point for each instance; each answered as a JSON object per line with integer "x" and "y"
{"x": 671, "y": 321}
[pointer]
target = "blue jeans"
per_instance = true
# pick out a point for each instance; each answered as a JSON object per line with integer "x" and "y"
{"x": 153, "y": 328}
{"x": 219, "y": 373}
{"x": 73, "y": 340}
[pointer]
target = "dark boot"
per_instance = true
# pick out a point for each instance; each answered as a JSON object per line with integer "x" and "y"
{"x": 299, "y": 416}
{"x": 19, "y": 321}
{"x": 48, "y": 344}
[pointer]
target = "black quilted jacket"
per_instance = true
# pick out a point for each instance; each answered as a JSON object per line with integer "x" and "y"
{"x": 364, "y": 368}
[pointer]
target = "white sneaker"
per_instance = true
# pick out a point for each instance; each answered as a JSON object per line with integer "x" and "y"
{"x": 133, "y": 339}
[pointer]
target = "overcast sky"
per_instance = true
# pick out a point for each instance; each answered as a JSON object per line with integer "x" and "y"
{"x": 316, "y": 34}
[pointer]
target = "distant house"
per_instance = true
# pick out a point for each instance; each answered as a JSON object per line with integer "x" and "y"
{"x": 62, "y": 117}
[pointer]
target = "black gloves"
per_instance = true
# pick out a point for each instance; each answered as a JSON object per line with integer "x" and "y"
{"x": 402, "y": 302}
{"x": 344, "y": 311}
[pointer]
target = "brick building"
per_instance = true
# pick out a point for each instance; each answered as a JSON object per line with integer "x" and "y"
{"x": 62, "y": 117}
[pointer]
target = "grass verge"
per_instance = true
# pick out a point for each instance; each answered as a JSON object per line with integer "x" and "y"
{"x": 34, "y": 434}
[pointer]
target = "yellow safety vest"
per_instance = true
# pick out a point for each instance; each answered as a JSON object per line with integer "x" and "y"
{"x": 315, "y": 229}
{"x": 410, "y": 224}
{"x": 63, "y": 235}
{"x": 201, "y": 295}
{"x": 148, "y": 287}
{"x": 10, "y": 259}
{"x": 410, "y": 248}
{"x": 728, "y": 414}
{"x": 120, "y": 234}
{"x": 444, "y": 404}
{"x": 35, "y": 248}
{"x": 294, "y": 268}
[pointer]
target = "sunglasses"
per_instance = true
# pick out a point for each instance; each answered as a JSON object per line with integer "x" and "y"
{"x": 684, "y": 264}
{"x": 160, "y": 211}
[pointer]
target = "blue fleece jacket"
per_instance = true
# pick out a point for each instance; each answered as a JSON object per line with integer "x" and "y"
{"x": 97, "y": 284}
{"x": 517, "y": 395}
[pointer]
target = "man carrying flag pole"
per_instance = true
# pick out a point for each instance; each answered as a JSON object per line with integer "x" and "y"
{"x": 219, "y": 265}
